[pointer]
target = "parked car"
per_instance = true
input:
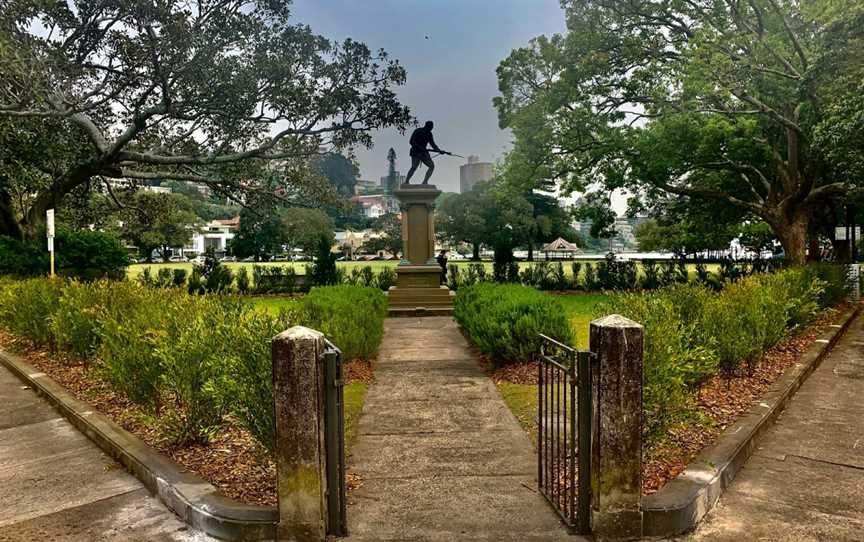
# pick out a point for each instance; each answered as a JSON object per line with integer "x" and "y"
{"x": 176, "y": 259}
{"x": 228, "y": 259}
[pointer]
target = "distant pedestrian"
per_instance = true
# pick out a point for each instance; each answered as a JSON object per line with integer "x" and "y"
{"x": 442, "y": 261}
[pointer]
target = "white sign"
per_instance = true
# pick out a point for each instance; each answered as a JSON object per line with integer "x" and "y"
{"x": 49, "y": 215}
{"x": 50, "y": 244}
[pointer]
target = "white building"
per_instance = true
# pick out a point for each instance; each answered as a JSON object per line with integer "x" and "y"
{"x": 474, "y": 172}
{"x": 376, "y": 205}
{"x": 215, "y": 233}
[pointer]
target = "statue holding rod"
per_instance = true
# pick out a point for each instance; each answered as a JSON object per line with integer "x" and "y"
{"x": 420, "y": 138}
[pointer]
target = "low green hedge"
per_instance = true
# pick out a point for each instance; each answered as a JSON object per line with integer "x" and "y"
{"x": 505, "y": 320}
{"x": 187, "y": 359}
{"x": 352, "y": 317}
{"x": 692, "y": 332}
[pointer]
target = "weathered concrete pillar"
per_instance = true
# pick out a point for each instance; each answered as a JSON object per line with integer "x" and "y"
{"x": 298, "y": 392}
{"x": 616, "y": 462}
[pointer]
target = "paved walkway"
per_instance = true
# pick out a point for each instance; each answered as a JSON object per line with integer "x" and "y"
{"x": 805, "y": 481}
{"x": 57, "y": 485}
{"x": 440, "y": 455}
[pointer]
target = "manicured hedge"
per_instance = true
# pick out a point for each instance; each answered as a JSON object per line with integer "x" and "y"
{"x": 187, "y": 359}
{"x": 692, "y": 332}
{"x": 505, "y": 320}
{"x": 352, "y": 317}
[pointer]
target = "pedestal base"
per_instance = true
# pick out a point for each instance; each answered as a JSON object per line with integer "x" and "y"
{"x": 418, "y": 292}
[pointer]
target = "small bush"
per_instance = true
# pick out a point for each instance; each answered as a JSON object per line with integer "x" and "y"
{"x": 453, "y": 277}
{"x": 80, "y": 254}
{"x": 352, "y": 317}
{"x": 386, "y": 279}
{"x": 576, "y": 267}
{"x": 505, "y": 321}
{"x": 323, "y": 271}
{"x": 243, "y": 281}
{"x": 651, "y": 280}
{"x": 590, "y": 277}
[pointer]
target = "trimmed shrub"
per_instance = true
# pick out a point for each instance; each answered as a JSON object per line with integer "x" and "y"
{"x": 505, "y": 321}
{"x": 352, "y": 317}
{"x": 453, "y": 277}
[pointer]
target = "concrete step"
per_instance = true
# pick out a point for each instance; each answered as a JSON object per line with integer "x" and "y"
{"x": 410, "y": 305}
{"x": 420, "y": 299}
{"x": 401, "y": 312}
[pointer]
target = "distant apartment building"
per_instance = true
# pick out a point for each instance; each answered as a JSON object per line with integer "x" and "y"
{"x": 362, "y": 187}
{"x": 474, "y": 172}
{"x": 400, "y": 179}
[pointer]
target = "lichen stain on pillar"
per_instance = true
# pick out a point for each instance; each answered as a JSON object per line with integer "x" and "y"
{"x": 616, "y": 467}
{"x": 299, "y": 447}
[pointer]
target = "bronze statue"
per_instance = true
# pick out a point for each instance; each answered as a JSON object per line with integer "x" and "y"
{"x": 419, "y": 153}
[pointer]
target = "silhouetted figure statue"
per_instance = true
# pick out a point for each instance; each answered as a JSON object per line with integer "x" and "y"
{"x": 419, "y": 139}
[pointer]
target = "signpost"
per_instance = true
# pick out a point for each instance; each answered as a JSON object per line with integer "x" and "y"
{"x": 49, "y": 219}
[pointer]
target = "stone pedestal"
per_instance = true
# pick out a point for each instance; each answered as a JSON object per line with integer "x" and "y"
{"x": 418, "y": 289}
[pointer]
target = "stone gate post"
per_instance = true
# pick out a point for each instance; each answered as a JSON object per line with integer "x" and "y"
{"x": 616, "y": 455}
{"x": 298, "y": 392}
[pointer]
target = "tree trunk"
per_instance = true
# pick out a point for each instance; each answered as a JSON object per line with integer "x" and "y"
{"x": 50, "y": 197}
{"x": 530, "y": 251}
{"x": 792, "y": 232}
{"x": 475, "y": 256}
{"x": 8, "y": 223}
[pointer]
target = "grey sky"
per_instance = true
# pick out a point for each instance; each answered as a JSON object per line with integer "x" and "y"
{"x": 451, "y": 76}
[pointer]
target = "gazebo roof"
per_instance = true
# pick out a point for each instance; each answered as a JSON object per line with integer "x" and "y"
{"x": 560, "y": 245}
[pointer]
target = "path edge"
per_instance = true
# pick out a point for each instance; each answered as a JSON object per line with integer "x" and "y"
{"x": 195, "y": 501}
{"x": 681, "y": 504}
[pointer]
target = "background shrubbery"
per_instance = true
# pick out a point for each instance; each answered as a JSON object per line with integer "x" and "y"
{"x": 187, "y": 359}
{"x": 505, "y": 320}
{"x": 81, "y": 254}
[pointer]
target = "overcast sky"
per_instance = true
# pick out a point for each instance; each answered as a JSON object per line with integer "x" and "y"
{"x": 451, "y": 75}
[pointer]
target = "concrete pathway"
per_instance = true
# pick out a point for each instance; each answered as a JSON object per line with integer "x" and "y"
{"x": 57, "y": 485}
{"x": 805, "y": 481}
{"x": 440, "y": 455}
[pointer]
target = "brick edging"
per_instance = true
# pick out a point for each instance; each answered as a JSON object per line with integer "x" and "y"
{"x": 195, "y": 501}
{"x": 683, "y": 502}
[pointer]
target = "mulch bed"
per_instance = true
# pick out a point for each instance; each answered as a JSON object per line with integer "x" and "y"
{"x": 232, "y": 461}
{"x": 719, "y": 403}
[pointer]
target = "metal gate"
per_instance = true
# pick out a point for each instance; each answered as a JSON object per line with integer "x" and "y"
{"x": 334, "y": 434}
{"x": 564, "y": 432}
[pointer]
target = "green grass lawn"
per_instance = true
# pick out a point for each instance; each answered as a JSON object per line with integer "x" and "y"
{"x": 272, "y": 305}
{"x": 580, "y": 308}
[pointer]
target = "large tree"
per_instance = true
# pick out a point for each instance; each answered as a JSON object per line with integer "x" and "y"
{"x": 157, "y": 222}
{"x": 216, "y": 91}
{"x": 340, "y": 171}
{"x": 726, "y": 100}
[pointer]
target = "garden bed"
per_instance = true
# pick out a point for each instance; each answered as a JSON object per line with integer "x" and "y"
{"x": 721, "y": 401}
{"x": 231, "y": 460}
